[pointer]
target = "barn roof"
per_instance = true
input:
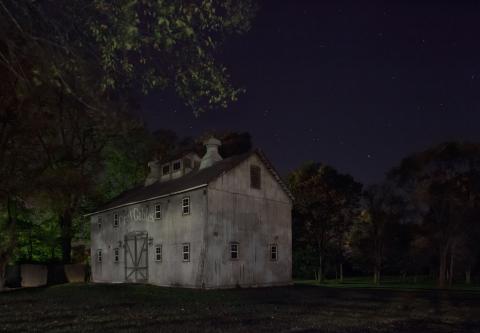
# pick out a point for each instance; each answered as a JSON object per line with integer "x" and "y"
{"x": 194, "y": 179}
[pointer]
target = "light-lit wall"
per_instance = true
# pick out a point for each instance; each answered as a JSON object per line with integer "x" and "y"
{"x": 255, "y": 218}
{"x": 172, "y": 230}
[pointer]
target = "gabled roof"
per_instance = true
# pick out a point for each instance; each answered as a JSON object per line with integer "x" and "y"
{"x": 194, "y": 179}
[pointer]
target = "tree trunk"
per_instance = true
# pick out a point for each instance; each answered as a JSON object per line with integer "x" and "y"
{"x": 11, "y": 241}
{"x": 442, "y": 271}
{"x": 341, "y": 272}
{"x": 66, "y": 232}
{"x": 376, "y": 275}
{"x": 320, "y": 269}
{"x": 30, "y": 241}
{"x": 3, "y": 265}
{"x": 468, "y": 275}
{"x": 450, "y": 275}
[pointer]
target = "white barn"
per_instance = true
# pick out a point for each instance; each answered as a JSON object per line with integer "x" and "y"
{"x": 198, "y": 222}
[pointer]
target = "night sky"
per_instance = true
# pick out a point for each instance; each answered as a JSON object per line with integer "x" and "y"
{"x": 354, "y": 84}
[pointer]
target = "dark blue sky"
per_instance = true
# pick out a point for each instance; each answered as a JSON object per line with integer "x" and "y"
{"x": 354, "y": 84}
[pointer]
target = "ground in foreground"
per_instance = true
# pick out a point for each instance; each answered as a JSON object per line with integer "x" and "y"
{"x": 299, "y": 308}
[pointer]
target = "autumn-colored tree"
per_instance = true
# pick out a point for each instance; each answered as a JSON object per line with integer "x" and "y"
{"x": 443, "y": 182}
{"x": 374, "y": 232}
{"x": 326, "y": 201}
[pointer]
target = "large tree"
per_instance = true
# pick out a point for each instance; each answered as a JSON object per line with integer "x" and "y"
{"x": 443, "y": 182}
{"x": 77, "y": 61}
{"x": 376, "y": 229}
{"x": 326, "y": 202}
{"x": 18, "y": 164}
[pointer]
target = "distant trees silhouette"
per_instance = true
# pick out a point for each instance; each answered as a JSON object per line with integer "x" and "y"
{"x": 427, "y": 210}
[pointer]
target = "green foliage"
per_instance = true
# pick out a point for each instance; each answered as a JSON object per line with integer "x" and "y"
{"x": 123, "y": 45}
{"x": 443, "y": 184}
{"x": 326, "y": 204}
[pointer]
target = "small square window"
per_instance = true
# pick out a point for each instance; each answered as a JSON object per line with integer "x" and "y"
{"x": 186, "y": 251}
{"x": 176, "y": 166}
{"x": 99, "y": 255}
{"x": 234, "y": 251}
{"x": 158, "y": 252}
{"x": 158, "y": 212}
{"x": 255, "y": 177}
{"x": 273, "y": 252}
{"x": 115, "y": 220}
{"x": 116, "y": 255}
{"x": 186, "y": 206}
{"x": 166, "y": 169}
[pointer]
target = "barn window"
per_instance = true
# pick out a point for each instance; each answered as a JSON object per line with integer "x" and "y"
{"x": 273, "y": 252}
{"x": 186, "y": 251}
{"x": 158, "y": 212}
{"x": 158, "y": 252}
{"x": 99, "y": 222}
{"x": 234, "y": 250}
{"x": 116, "y": 255}
{"x": 166, "y": 169}
{"x": 255, "y": 177}
{"x": 99, "y": 255}
{"x": 115, "y": 220}
{"x": 186, "y": 206}
{"x": 176, "y": 166}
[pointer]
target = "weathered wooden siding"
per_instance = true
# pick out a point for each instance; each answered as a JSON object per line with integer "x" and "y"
{"x": 171, "y": 231}
{"x": 255, "y": 218}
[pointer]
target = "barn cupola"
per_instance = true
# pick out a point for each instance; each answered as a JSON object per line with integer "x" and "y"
{"x": 211, "y": 156}
{"x": 154, "y": 174}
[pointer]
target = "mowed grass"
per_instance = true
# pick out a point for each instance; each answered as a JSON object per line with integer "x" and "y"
{"x": 389, "y": 282}
{"x": 298, "y": 308}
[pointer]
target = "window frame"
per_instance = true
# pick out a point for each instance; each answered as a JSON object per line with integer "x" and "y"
{"x": 254, "y": 168}
{"x": 116, "y": 255}
{"x": 99, "y": 256}
{"x": 186, "y": 206}
{"x": 158, "y": 254}
{"x": 116, "y": 220}
{"x": 236, "y": 251}
{"x": 187, "y": 252}
{"x": 166, "y": 165}
{"x": 179, "y": 162}
{"x": 271, "y": 252}
{"x": 159, "y": 211}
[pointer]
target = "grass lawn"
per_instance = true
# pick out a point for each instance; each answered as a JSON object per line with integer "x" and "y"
{"x": 388, "y": 282}
{"x": 299, "y": 308}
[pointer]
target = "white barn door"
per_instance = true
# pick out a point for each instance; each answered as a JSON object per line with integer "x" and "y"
{"x": 136, "y": 256}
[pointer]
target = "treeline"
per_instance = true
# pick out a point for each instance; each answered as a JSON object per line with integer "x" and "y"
{"x": 71, "y": 74}
{"x": 422, "y": 220}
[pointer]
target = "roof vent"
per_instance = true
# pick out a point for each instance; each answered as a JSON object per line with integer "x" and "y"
{"x": 211, "y": 156}
{"x": 154, "y": 174}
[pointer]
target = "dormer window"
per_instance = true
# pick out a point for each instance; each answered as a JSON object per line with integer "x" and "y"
{"x": 176, "y": 166}
{"x": 166, "y": 169}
